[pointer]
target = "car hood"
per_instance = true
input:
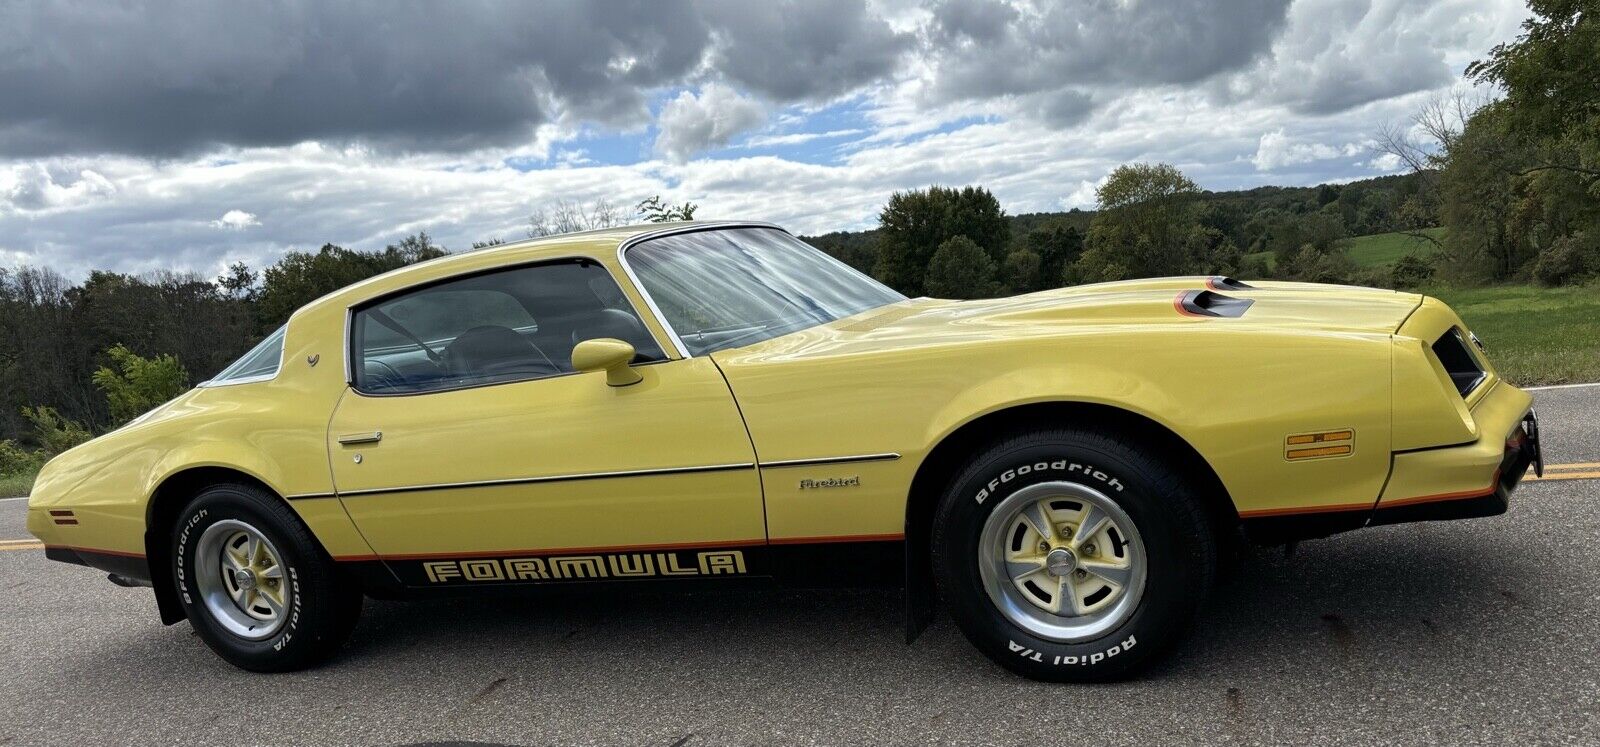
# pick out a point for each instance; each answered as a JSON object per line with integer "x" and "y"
{"x": 1108, "y": 307}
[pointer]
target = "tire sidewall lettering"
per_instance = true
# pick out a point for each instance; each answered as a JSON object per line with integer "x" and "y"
{"x": 1061, "y": 660}
{"x": 1137, "y": 637}
{"x": 183, "y": 561}
{"x": 1065, "y": 467}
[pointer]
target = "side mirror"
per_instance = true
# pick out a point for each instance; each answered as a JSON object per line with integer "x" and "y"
{"x": 609, "y": 355}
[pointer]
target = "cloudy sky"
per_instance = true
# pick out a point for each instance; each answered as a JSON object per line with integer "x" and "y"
{"x": 185, "y": 135}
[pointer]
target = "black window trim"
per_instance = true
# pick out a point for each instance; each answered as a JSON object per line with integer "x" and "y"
{"x": 351, "y": 311}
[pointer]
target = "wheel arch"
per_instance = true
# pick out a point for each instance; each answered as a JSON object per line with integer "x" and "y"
{"x": 166, "y": 502}
{"x": 947, "y": 458}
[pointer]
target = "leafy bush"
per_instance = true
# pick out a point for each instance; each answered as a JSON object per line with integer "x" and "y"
{"x": 960, "y": 269}
{"x": 141, "y": 383}
{"x": 1022, "y": 271}
{"x": 1314, "y": 265}
{"x": 15, "y": 460}
{"x": 1255, "y": 266}
{"x": 55, "y": 433}
{"x": 1370, "y": 277}
{"x": 1411, "y": 271}
{"x": 1568, "y": 259}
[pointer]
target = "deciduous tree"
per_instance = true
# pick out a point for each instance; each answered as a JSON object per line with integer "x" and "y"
{"x": 960, "y": 268}
{"x": 915, "y": 224}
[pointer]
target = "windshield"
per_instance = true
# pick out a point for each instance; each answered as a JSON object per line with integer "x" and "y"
{"x": 723, "y": 288}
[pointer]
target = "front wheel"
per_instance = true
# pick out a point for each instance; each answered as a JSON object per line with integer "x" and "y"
{"x": 1072, "y": 556}
{"x": 255, "y": 583}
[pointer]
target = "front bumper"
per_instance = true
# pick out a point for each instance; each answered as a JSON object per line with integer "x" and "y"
{"x": 1472, "y": 480}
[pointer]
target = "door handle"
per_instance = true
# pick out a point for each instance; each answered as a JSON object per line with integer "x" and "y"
{"x": 361, "y": 438}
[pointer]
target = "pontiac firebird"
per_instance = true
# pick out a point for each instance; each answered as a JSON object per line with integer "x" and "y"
{"x": 718, "y": 402}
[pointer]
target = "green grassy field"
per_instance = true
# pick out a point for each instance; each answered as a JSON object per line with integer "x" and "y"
{"x": 1534, "y": 335}
{"x": 1384, "y": 248}
{"x": 15, "y": 485}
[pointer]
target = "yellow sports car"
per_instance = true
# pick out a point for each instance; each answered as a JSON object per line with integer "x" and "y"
{"x": 704, "y": 403}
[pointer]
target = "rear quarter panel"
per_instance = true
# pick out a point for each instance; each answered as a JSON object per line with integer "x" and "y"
{"x": 273, "y": 431}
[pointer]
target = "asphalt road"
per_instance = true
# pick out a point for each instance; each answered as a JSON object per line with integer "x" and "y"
{"x": 1469, "y": 632}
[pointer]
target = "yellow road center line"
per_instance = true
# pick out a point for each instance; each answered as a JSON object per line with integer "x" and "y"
{"x": 1563, "y": 476}
{"x": 1578, "y": 465}
{"x": 22, "y": 546}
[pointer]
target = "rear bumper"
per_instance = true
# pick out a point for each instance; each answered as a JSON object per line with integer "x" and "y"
{"x": 1471, "y": 480}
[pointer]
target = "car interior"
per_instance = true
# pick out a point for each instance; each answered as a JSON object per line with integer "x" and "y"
{"x": 497, "y": 327}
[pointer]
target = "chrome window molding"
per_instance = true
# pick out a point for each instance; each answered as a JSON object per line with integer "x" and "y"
{"x": 884, "y": 457}
{"x": 244, "y": 380}
{"x": 622, "y": 259}
{"x": 258, "y": 378}
{"x": 349, "y": 348}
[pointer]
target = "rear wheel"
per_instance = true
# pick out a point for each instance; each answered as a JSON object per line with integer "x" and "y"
{"x": 255, "y": 583}
{"x": 1069, "y": 555}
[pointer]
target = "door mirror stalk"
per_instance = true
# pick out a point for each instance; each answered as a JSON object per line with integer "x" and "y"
{"x": 607, "y": 354}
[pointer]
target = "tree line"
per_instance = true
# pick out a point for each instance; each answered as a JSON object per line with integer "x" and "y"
{"x": 1151, "y": 220}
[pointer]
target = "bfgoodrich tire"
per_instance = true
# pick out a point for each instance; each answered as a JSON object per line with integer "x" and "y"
{"x": 1072, "y": 556}
{"x": 257, "y": 586}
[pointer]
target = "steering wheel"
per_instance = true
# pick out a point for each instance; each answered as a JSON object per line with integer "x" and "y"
{"x": 386, "y": 378}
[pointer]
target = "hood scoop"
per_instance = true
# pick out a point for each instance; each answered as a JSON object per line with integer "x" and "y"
{"x": 1205, "y": 303}
{"x": 1221, "y": 283}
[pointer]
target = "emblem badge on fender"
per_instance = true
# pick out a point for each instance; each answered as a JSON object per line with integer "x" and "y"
{"x": 852, "y": 481}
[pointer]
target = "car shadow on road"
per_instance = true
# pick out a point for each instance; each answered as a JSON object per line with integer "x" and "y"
{"x": 1386, "y": 599}
{"x": 1338, "y": 600}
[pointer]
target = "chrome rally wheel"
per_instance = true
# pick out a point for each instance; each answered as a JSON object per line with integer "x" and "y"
{"x": 255, "y": 583}
{"x": 1062, "y": 561}
{"x": 1072, "y": 555}
{"x": 241, "y": 578}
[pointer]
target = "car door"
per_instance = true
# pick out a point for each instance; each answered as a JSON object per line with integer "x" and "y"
{"x": 467, "y": 450}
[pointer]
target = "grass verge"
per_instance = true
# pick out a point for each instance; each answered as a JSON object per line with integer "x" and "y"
{"x": 1534, "y": 335}
{"x": 12, "y": 486}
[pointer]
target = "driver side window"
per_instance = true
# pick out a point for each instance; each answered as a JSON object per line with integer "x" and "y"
{"x": 490, "y": 328}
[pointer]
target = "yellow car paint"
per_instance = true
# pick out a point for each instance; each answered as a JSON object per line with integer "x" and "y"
{"x": 679, "y": 416}
{"x": 812, "y": 436}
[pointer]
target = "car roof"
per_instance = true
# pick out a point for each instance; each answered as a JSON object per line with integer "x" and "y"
{"x": 601, "y": 242}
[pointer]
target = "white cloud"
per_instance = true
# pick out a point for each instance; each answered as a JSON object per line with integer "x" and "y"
{"x": 1387, "y": 162}
{"x": 1277, "y": 150}
{"x": 1086, "y": 196}
{"x": 796, "y": 138}
{"x": 236, "y": 220}
{"x": 690, "y": 124}
{"x": 1296, "y": 108}
{"x": 35, "y": 186}
{"x": 1338, "y": 54}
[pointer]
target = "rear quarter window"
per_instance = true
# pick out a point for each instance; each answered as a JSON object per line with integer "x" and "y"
{"x": 260, "y": 364}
